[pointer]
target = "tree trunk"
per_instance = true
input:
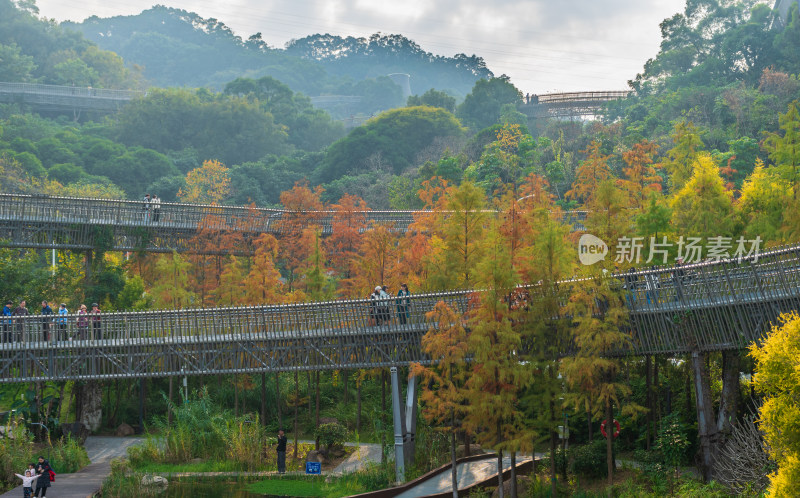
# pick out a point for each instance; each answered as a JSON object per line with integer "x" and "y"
{"x": 91, "y": 405}
{"x": 296, "y": 404}
{"x": 729, "y": 401}
{"x": 316, "y": 409}
{"x": 308, "y": 389}
{"x": 278, "y": 399}
{"x": 235, "y": 399}
{"x": 383, "y": 416}
{"x": 263, "y": 398}
{"x": 500, "y": 490}
{"x": 453, "y": 466}
{"x": 169, "y": 397}
{"x": 553, "y": 436}
{"x": 648, "y": 403}
{"x": 610, "y": 442}
{"x": 706, "y": 427}
{"x": 589, "y": 422}
{"x": 116, "y": 403}
{"x": 345, "y": 375}
{"x": 513, "y": 474}
{"x": 358, "y": 407}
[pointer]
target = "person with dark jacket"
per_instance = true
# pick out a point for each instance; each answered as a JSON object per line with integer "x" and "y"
{"x": 281, "y": 450}
{"x": 96, "y": 331}
{"x": 47, "y": 311}
{"x": 43, "y": 470}
{"x": 403, "y": 304}
{"x": 20, "y": 311}
{"x": 8, "y": 322}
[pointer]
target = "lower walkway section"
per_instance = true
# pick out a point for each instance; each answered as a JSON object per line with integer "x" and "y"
{"x": 86, "y": 482}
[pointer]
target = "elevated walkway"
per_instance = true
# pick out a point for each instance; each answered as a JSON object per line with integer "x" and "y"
{"x": 722, "y": 305}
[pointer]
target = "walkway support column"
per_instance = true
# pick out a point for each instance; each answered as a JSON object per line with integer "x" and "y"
{"x": 405, "y": 424}
{"x": 706, "y": 426}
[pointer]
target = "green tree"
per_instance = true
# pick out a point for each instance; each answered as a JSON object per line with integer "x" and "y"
{"x": 702, "y": 207}
{"x": 433, "y": 98}
{"x": 171, "y": 287}
{"x": 482, "y": 107}
{"x": 784, "y": 150}
{"x": 14, "y": 65}
{"x": 682, "y": 156}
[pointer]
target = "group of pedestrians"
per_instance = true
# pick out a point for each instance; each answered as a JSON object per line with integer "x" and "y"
{"x": 54, "y": 325}
{"x": 151, "y": 207}
{"x": 380, "y": 305}
{"x": 39, "y": 475}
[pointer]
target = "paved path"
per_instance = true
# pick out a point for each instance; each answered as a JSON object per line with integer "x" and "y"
{"x": 87, "y": 481}
{"x": 467, "y": 474}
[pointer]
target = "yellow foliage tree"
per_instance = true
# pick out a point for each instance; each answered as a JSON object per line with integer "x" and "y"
{"x": 208, "y": 184}
{"x": 777, "y": 364}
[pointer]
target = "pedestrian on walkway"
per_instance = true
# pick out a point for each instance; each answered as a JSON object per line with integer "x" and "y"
{"x": 403, "y": 304}
{"x": 281, "y": 450}
{"x": 385, "y": 309}
{"x": 27, "y": 481}
{"x": 62, "y": 322}
{"x": 146, "y": 207}
{"x": 44, "y": 471}
{"x": 97, "y": 333}
{"x": 83, "y": 322}
{"x": 155, "y": 203}
{"x": 47, "y": 313}
{"x": 8, "y": 322}
{"x": 21, "y": 311}
{"x": 374, "y": 309}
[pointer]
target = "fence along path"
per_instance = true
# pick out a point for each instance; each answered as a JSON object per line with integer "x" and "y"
{"x": 45, "y": 222}
{"x": 715, "y": 306}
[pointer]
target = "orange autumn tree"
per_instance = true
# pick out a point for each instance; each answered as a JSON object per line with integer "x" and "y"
{"x": 297, "y": 227}
{"x": 591, "y": 173}
{"x": 442, "y": 384}
{"x": 374, "y": 265}
{"x": 263, "y": 282}
{"x": 641, "y": 178}
{"x": 416, "y": 248}
{"x": 208, "y": 184}
{"x": 348, "y": 223}
{"x": 231, "y": 291}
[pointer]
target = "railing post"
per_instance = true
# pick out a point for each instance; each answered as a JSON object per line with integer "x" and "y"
{"x": 399, "y": 429}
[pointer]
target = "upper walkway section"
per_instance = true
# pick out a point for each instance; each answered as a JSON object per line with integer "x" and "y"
{"x": 45, "y": 222}
{"x": 571, "y": 104}
{"x": 54, "y": 97}
{"x": 710, "y": 306}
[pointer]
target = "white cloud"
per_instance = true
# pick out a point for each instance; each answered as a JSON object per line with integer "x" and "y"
{"x": 543, "y": 45}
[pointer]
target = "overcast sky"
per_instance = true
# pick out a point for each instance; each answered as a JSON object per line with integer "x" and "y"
{"x": 542, "y": 45}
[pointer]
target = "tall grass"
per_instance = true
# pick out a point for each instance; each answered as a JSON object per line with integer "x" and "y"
{"x": 16, "y": 452}
{"x": 202, "y": 430}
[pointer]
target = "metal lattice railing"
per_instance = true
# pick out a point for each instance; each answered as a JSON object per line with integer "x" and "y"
{"x": 77, "y": 223}
{"x": 709, "y": 306}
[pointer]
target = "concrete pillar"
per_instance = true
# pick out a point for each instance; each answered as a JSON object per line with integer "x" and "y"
{"x": 405, "y": 424}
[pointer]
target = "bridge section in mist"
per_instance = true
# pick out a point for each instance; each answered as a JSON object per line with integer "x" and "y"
{"x": 722, "y": 305}
{"x": 45, "y": 222}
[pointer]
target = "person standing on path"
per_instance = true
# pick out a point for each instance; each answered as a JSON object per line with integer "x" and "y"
{"x": 47, "y": 312}
{"x": 61, "y": 335}
{"x": 146, "y": 207}
{"x": 43, "y": 469}
{"x": 83, "y": 322}
{"x": 155, "y": 203}
{"x": 97, "y": 333}
{"x": 281, "y": 450}
{"x": 8, "y": 323}
{"x": 27, "y": 482}
{"x": 403, "y": 304}
{"x": 21, "y": 311}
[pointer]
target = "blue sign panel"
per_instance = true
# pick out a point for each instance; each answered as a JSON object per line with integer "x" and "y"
{"x": 313, "y": 468}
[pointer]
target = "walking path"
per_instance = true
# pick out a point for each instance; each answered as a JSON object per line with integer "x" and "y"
{"x": 467, "y": 474}
{"x": 87, "y": 481}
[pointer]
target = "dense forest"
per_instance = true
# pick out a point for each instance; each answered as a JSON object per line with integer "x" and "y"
{"x": 707, "y": 146}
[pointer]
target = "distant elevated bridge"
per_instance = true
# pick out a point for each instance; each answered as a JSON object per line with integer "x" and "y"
{"x": 66, "y": 98}
{"x": 570, "y": 104}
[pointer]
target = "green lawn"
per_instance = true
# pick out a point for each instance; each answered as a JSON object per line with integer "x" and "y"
{"x": 293, "y": 487}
